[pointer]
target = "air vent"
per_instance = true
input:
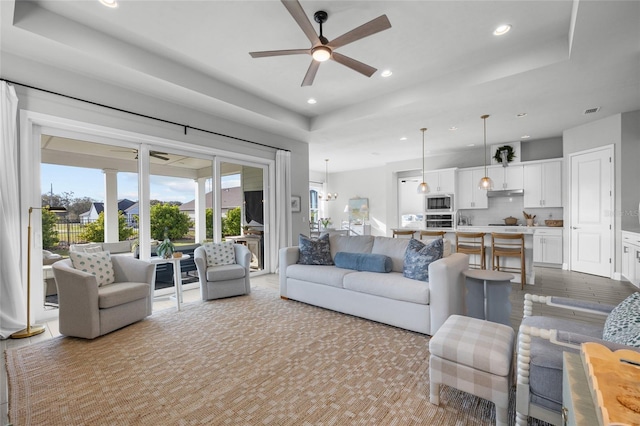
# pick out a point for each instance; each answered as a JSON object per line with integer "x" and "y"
{"x": 591, "y": 110}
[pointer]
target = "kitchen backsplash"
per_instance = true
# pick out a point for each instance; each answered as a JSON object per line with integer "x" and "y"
{"x": 502, "y": 207}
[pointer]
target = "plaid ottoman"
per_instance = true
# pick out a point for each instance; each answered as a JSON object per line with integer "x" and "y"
{"x": 474, "y": 356}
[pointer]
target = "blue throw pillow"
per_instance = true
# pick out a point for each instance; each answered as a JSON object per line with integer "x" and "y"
{"x": 363, "y": 261}
{"x": 314, "y": 252}
{"x": 418, "y": 257}
{"x": 623, "y": 323}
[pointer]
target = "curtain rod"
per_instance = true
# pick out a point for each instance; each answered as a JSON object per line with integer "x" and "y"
{"x": 185, "y": 126}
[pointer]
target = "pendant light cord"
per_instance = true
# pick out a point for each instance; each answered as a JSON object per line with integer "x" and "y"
{"x": 484, "y": 119}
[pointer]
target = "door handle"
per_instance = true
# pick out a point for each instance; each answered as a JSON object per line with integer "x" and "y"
{"x": 574, "y": 227}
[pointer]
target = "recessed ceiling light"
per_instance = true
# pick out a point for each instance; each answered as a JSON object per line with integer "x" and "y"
{"x": 502, "y": 29}
{"x": 472, "y": 144}
{"x": 110, "y": 3}
{"x": 404, "y": 138}
{"x": 453, "y": 128}
{"x": 311, "y": 101}
{"x": 525, "y": 137}
{"x": 386, "y": 73}
{"x": 522, "y": 114}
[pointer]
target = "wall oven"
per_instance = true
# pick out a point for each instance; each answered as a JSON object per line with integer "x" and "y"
{"x": 440, "y": 220}
{"x": 438, "y": 203}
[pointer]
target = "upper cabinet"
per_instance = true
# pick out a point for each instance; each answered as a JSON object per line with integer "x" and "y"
{"x": 510, "y": 177}
{"x": 543, "y": 184}
{"x": 441, "y": 181}
{"x": 468, "y": 195}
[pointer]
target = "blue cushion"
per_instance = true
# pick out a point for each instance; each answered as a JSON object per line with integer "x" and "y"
{"x": 314, "y": 252}
{"x": 363, "y": 261}
{"x": 418, "y": 257}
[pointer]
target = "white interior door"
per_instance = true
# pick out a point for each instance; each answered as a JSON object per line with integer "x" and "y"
{"x": 591, "y": 211}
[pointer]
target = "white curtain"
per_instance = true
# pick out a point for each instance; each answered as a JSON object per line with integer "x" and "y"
{"x": 282, "y": 236}
{"x": 13, "y": 311}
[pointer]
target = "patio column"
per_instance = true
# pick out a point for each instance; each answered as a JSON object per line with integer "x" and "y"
{"x": 111, "y": 234}
{"x": 200, "y": 209}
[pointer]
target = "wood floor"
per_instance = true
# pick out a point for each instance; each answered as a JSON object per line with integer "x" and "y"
{"x": 549, "y": 282}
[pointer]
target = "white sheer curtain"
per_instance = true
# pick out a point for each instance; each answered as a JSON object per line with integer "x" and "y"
{"x": 13, "y": 312}
{"x": 282, "y": 236}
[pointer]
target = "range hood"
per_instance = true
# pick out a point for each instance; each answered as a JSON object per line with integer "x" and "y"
{"x": 505, "y": 193}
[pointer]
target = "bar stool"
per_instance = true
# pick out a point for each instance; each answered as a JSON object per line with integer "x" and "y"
{"x": 508, "y": 245}
{"x": 472, "y": 243}
{"x": 397, "y": 232}
{"x": 432, "y": 234}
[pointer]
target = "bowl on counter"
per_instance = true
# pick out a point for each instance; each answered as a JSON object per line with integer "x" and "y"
{"x": 554, "y": 223}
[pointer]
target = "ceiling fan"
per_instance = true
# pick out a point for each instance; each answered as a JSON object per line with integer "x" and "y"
{"x": 157, "y": 154}
{"x": 321, "y": 48}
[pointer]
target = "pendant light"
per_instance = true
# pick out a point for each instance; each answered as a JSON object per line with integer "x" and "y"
{"x": 329, "y": 196}
{"x": 485, "y": 183}
{"x": 423, "y": 188}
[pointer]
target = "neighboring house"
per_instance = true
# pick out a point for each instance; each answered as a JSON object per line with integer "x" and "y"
{"x": 128, "y": 207}
{"x": 230, "y": 199}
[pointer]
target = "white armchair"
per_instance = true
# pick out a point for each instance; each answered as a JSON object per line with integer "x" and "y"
{"x": 88, "y": 311}
{"x": 221, "y": 281}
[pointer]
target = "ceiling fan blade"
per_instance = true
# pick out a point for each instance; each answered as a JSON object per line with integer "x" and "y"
{"x": 266, "y": 53}
{"x": 353, "y": 64}
{"x": 311, "y": 73}
{"x": 160, "y": 155}
{"x": 381, "y": 23}
{"x": 296, "y": 10}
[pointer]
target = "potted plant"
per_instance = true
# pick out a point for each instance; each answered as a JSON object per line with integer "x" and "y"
{"x": 166, "y": 248}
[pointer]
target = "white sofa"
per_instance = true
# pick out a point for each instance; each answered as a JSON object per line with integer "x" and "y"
{"x": 388, "y": 298}
{"x": 121, "y": 248}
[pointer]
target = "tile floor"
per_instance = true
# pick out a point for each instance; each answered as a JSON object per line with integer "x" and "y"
{"x": 549, "y": 282}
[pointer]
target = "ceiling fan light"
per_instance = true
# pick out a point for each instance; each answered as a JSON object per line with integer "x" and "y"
{"x": 321, "y": 53}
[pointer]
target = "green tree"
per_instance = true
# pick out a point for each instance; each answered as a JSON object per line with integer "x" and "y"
{"x": 94, "y": 231}
{"x": 231, "y": 223}
{"x": 49, "y": 229}
{"x": 170, "y": 217}
{"x": 209, "y": 223}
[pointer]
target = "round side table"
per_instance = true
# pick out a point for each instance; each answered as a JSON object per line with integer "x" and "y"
{"x": 487, "y": 295}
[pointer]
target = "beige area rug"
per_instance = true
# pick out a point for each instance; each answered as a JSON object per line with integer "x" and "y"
{"x": 249, "y": 360}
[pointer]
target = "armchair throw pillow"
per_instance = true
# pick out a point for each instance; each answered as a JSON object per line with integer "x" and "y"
{"x": 418, "y": 257}
{"x": 314, "y": 252}
{"x": 623, "y": 323}
{"x": 219, "y": 254}
{"x": 98, "y": 264}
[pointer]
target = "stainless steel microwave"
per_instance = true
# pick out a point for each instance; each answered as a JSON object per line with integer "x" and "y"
{"x": 438, "y": 203}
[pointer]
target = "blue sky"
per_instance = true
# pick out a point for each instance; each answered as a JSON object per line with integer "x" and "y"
{"x": 90, "y": 183}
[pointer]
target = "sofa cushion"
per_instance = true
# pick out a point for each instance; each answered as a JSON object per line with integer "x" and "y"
{"x": 546, "y": 358}
{"x": 225, "y": 272}
{"x": 98, "y": 264}
{"x": 623, "y": 323}
{"x": 395, "y": 248}
{"x": 352, "y": 244}
{"x": 391, "y": 286}
{"x": 320, "y": 274}
{"x": 86, "y": 248}
{"x": 418, "y": 257}
{"x": 314, "y": 252}
{"x": 116, "y": 294}
{"x": 363, "y": 261}
{"x": 118, "y": 247}
{"x": 220, "y": 253}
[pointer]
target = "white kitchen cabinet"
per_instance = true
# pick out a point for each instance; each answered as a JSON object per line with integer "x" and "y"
{"x": 547, "y": 246}
{"x": 631, "y": 257}
{"x": 510, "y": 177}
{"x": 441, "y": 181}
{"x": 543, "y": 184}
{"x": 468, "y": 195}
